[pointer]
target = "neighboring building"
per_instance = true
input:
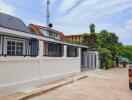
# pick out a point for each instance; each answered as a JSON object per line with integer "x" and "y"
{"x": 73, "y": 38}
{"x": 51, "y": 33}
{"x": 46, "y": 32}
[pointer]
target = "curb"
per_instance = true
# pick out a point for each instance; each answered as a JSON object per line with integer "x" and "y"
{"x": 80, "y": 77}
{"x": 47, "y": 88}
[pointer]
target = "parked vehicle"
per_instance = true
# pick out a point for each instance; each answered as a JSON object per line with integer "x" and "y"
{"x": 123, "y": 61}
{"x": 130, "y": 76}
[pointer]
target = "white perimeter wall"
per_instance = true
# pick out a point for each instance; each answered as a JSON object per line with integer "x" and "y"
{"x": 21, "y": 73}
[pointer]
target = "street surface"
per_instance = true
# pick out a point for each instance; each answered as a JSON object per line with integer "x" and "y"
{"x": 100, "y": 85}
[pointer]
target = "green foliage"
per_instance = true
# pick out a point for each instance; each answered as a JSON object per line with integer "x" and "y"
{"x": 105, "y": 53}
{"x": 106, "y": 58}
{"x": 110, "y": 41}
{"x": 85, "y": 37}
{"x": 90, "y": 40}
{"x": 92, "y": 28}
{"x": 74, "y": 42}
{"x": 127, "y": 52}
{"x": 108, "y": 45}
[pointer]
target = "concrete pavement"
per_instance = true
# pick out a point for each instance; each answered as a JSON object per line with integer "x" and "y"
{"x": 100, "y": 85}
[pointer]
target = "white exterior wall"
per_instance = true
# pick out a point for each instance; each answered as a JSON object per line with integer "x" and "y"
{"x": 19, "y": 73}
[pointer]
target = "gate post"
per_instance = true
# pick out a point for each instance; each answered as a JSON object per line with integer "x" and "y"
{"x": 97, "y": 60}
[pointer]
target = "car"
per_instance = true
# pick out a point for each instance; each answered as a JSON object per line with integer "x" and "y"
{"x": 130, "y": 76}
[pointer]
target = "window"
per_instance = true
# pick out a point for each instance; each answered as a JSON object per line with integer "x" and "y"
{"x": 15, "y": 48}
{"x": 53, "y": 35}
{"x": 32, "y": 31}
{"x": 53, "y": 49}
{"x": 56, "y": 35}
{"x": 72, "y": 51}
{"x": 44, "y": 32}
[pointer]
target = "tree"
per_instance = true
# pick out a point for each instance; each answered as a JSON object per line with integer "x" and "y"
{"x": 127, "y": 52}
{"x": 90, "y": 40}
{"x": 92, "y": 28}
{"x": 110, "y": 41}
{"x": 105, "y": 58}
{"x": 108, "y": 45}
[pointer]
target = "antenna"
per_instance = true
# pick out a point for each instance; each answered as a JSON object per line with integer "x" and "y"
{"x": 48, "y": 13}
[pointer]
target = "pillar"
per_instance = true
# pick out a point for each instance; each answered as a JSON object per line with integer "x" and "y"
{"x": 41, "y": 46}
{"x": 65, "y": 51}
{"x": 79, "y": 52}
{"x": 97, "y": 60}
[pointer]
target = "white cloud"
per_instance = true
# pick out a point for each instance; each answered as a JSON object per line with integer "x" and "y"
{"x": 87, "y": 11}
{"x": 93, "y": 9}
{"x": 7, "y": 8}
{"x": 67, "y": 4}
{"x": 128, "y": 26}
{"x": 37, "y": 22}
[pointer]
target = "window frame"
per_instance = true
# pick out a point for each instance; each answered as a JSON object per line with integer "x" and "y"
{"x": 73, "y": 47}
{"x": 6, "y": 39}
{"x": 48, "y": 52}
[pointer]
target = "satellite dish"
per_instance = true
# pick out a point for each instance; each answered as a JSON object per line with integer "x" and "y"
{"x": 50, "y": 25}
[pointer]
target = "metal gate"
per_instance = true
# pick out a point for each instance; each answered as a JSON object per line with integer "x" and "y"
{"x": 89, "y": 60}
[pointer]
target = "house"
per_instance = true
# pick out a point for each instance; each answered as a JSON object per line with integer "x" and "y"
{"x": 35, "y": 55}
{"x": 46, "y": 32}
{"x": 73, "y": 38}
{"x": 13, "y": 44}
{"x": 53, "y": 49}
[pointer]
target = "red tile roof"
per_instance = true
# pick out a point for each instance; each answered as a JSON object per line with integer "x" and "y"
{"x": 37, "y": 29}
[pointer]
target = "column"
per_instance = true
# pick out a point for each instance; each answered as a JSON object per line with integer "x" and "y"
{"x": 41, "y": 46}
{"x": 79, "y": 52}
{"x": 65, "y": 51}
{"x": 97, "y": 60}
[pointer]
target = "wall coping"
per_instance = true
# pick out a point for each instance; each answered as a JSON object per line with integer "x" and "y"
{"x": 36, "y": 58}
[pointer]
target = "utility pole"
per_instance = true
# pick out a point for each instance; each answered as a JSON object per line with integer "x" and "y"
{"x": 48, "y": 13}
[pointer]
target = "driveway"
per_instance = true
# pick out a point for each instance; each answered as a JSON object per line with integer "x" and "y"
{"x": 100, "y": 85}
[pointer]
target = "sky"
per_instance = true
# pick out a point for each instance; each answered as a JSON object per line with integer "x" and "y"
{"x": 75, "y": 16}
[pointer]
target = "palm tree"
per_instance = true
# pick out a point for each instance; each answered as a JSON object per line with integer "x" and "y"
{"x": 92, "y": 28}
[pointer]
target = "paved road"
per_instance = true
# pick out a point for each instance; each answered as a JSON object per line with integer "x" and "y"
{"x": 100, "y": 85}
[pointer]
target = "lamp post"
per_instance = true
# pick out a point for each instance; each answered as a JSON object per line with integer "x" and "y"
{"x": 48, "y": 13}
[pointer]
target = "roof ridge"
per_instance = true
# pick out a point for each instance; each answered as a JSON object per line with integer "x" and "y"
{"x": 10, "y": 15}
{"x": 13, "y": 19}
{"x": 46, "y": 27}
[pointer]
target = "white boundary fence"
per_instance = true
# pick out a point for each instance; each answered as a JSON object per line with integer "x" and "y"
{"x": 19, "y": 73}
